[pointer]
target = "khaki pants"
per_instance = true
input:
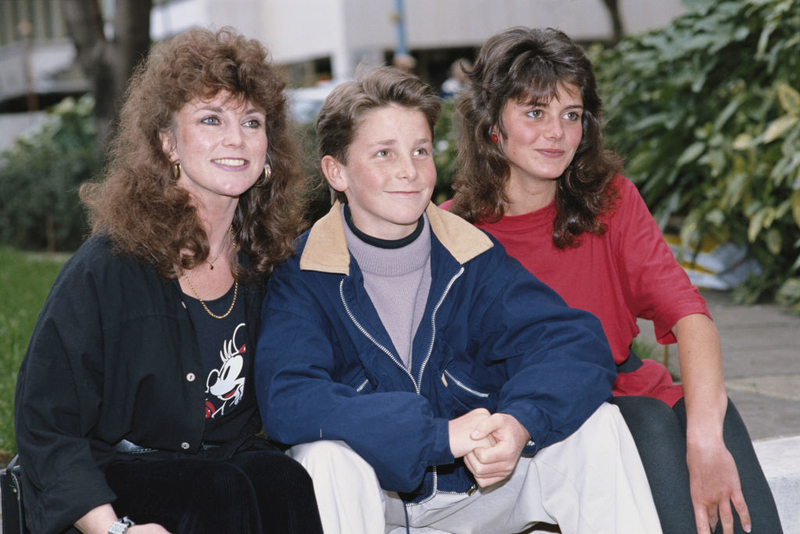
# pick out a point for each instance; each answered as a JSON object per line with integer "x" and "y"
{"x": 591, "y": 482}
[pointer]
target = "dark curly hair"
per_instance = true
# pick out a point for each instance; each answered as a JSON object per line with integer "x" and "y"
{"x": 344, "y": 109}
{"x": 138, "y": 205}
{"x": 530, "y": 65}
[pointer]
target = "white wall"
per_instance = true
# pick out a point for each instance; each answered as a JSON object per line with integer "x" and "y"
{"x": 350, "y": 31}
{"x": 354, "y": 30}
{"x": 46, "y": 60}
{"x": 175, "y": 17}
{"x": 469, "y": 22}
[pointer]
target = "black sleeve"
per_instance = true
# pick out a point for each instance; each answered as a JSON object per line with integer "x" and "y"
{"x": 58, "y": 396}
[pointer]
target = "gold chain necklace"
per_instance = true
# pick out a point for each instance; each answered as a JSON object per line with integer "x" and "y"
{"x": 235, "y": 286}
{"x": 221, "y": 250}
{"x": 235, "y": 292}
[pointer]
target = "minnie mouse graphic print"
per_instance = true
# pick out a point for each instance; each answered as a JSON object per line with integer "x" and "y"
{"x": 225, "y": 386}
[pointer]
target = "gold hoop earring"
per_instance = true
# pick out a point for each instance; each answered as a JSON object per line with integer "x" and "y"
{"x": 263, "y": 180}
{"x": 176, "y": 171}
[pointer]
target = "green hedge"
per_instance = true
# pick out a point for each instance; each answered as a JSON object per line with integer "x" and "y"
{"x": 707, "y": 113}
{"x": 39, "y": 179}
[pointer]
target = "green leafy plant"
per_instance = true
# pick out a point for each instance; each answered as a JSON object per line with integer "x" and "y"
{"x": 39, "y": 178}
{"x": 445, "y": 149}
{"x": 707, "y": 114}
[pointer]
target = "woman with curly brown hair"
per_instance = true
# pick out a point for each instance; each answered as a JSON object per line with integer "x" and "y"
{"x": 135, "y": 398}
{"x": 532, "y": 171}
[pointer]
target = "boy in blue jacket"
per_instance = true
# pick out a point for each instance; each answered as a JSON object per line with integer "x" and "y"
{"x": 421, "y": 375}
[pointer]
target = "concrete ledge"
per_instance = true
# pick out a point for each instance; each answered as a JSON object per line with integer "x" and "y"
{"x": 780, "y": 460}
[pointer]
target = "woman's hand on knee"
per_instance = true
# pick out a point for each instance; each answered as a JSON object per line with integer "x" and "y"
{"x": 714, "y": 483}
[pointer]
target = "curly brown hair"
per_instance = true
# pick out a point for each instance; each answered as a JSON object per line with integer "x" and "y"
{"x": 344, "y": 109}
{"x": 140, "y": 207}
{"x": 530, "y": 65}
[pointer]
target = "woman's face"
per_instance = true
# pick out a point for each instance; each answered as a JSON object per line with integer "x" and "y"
{"x": 221, "y": 145}
{"x": 541, "y": 139}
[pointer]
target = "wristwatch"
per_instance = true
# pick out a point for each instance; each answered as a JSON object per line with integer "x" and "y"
{"x": 120, "y": 526}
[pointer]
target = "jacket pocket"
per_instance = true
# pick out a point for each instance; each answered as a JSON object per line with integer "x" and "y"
{"x": 361, "y": 383}
{"x": 464, "y": 391}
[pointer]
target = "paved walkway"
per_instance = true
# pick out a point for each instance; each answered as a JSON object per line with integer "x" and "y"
{"x": 761, "y": 362}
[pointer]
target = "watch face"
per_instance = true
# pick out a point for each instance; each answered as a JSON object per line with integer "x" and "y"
{"x": 118, "y": 527}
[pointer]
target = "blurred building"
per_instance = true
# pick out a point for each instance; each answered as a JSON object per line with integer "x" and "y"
{"x": 314, "y": 39}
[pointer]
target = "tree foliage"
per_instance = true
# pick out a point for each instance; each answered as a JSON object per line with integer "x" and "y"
{"x": 707, "y": 113}
{"x": 40, "y": 174}
{"x": 445, "y": 150}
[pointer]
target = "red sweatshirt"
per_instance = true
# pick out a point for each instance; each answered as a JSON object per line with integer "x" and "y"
{"x": 626, "y": 273}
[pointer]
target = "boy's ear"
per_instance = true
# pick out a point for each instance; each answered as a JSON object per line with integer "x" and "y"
{"x": 335, "y": 173}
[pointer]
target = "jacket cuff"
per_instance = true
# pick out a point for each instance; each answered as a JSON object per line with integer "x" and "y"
{"x": 440, "y": 452}
{"x": 71, "y": 498}
{"x": 534, "y": 430}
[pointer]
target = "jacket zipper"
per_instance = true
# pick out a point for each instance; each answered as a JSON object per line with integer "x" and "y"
{"x": 386, "y": 351}
{"x": 417, "y": 383}
{"x": 374, "y": 341}
{"x": 433, "y": 322}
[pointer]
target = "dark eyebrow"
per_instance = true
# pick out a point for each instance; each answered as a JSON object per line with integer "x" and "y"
{"x": 217, "y": 109}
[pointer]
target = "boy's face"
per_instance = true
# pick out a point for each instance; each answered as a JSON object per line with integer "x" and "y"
{"x": 390, "y": 173}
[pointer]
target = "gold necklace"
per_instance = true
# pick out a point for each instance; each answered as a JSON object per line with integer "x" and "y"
{"x": 235, "y": 292}
{"x": 235, "y": 286}
{"x": 221, "y": 250}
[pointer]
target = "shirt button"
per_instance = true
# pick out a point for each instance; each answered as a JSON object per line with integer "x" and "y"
{"x": 190, "y": 377}
{"x": 185, "y": 445}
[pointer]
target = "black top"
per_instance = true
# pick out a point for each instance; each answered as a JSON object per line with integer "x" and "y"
{"x": 225, "y": 351}
{"x": 114, "y": 355}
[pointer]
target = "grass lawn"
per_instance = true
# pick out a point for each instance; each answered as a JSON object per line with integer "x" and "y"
{"x": 25, "y": 280}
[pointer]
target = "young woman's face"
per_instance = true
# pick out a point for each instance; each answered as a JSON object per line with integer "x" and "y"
{"x": 541, "y": 139}
{"x": 390, "y": 173}
{"x": 221, "y": 145}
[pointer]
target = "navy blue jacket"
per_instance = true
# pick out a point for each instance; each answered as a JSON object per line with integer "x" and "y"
{"x": 492, "y": 336}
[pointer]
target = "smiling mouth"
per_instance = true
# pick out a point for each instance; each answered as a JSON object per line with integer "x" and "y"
{"x": 230, "y": 162}
{"x": 551, "y": 152}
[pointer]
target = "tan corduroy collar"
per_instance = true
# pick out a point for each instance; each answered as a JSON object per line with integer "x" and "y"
{"x": 326, "y": 248}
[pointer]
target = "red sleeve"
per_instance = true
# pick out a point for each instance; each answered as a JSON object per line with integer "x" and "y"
{"x": 656, "y": 287}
